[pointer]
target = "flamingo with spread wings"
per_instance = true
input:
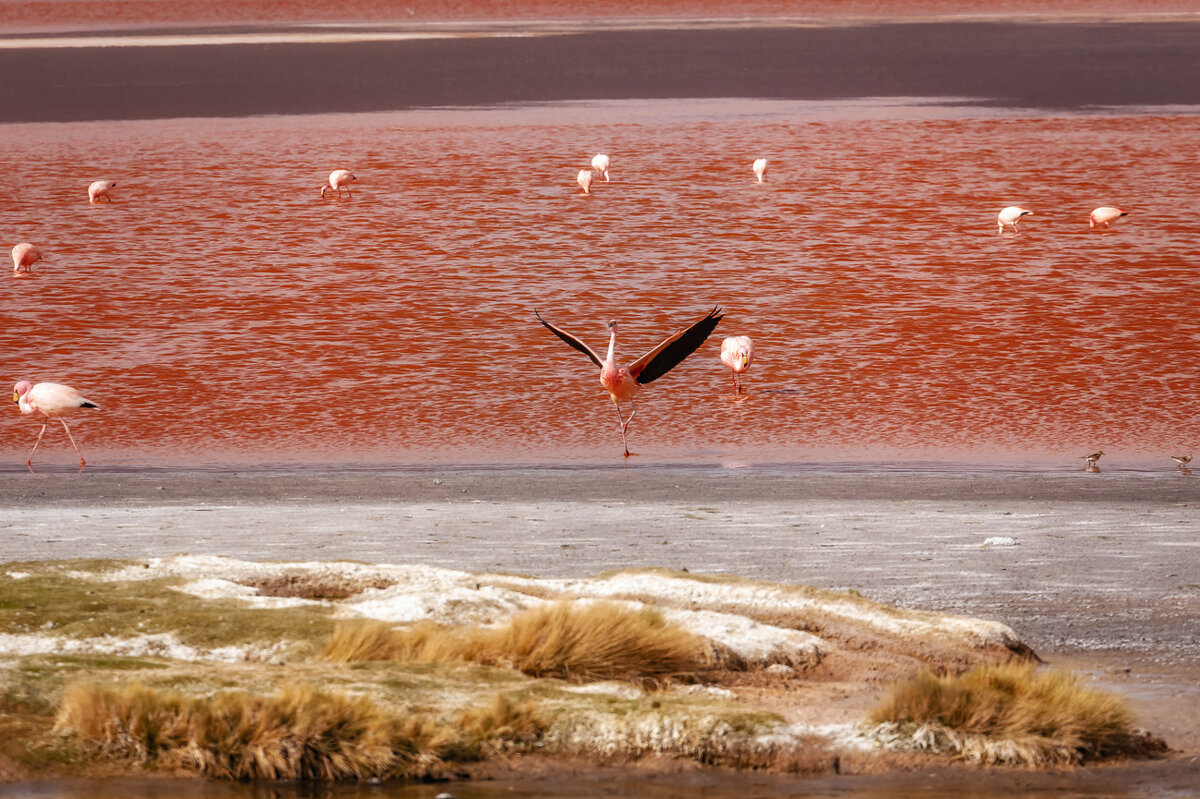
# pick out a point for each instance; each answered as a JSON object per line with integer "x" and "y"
{"x": 622, "y": 382}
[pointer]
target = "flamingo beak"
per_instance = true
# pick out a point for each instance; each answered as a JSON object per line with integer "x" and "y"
{"x": 745, "y": 362}
{"x": 16, "y": 397}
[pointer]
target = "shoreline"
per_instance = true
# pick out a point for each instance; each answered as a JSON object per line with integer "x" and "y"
{"x": 1068, "y": 65}
{"x": 1096, "y": 580}
{"x": 1112, "y": 550}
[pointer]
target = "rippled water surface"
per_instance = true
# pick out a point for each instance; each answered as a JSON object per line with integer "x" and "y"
{"x": 221, "y": 312}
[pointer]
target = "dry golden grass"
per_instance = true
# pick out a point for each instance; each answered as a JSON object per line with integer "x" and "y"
{"x": 299, "y": 733}
{"x": 597, "y": 641}
{"x": 1012, "y": 713}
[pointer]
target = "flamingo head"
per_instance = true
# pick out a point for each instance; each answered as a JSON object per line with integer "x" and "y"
{"x": 324, "y": 189}
{"x": 20, "y": 389}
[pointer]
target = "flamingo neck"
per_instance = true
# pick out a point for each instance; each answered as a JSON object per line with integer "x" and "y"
{"x": 611, "y": 358}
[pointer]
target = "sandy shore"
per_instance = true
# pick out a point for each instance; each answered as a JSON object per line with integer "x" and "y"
{"x": 1071, "y": 561}
{"x": 1098, "y": 572}
{"x": 1059, "y": 65}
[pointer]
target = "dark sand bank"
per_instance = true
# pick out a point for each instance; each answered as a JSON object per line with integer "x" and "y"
{"x": 1063, "y": 65}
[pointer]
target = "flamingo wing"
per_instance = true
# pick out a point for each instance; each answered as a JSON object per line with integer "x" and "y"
{"x": 667, "y": 355}
{"x": 567, "y": 337}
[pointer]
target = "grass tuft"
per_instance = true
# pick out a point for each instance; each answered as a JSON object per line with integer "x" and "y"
{"x": 299, "y": 733}
{"x": 593, "y": 642}
{"x": 1010, "y": 714}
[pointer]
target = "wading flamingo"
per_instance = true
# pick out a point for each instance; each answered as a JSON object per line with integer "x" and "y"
{"x": 622, "y": 382}
{"x": 1105, "y": 215}
{"x": 24, "y": 256}
{"x": 52, "y": 401}
{"x": 1009, "y": 216}
{"x": 584, "y": 179}
{"x": 737, "y": 352}
{"x": 339, "y": 179}
{"x": 600, "y": 164}
{"x": 100, "y": 191}
{"x": 760, "y": 168}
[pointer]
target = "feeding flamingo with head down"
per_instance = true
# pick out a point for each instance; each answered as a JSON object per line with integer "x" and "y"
{"x": 52, "y": 401}
{"x": 1105, "y": 215}
{"x": 339, "y": 179}
{"x": 737, "y": 352}
{"x": 100, "y": 190}
{"x": 760, "y": 168}
{"x": 1009, "y": 216}
{"x": 600, "y": 164}
{"x": 584, "y": 179}
{"x": 622, "y": 382}
{"x": 24, "y": 256}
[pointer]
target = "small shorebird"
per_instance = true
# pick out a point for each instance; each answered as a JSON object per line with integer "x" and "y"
{"x": 339, "y": 179}
{"x": 760, "y": 168}
{"x": 24, "y": 256}
{"x": 99, "y": 190}
{"x": 600, "y": 164}
{"x": 622, "y": 382}
{"x": 52, "y": 401}
{"x": 1009, "y": 216}
{"x": 737, "y": 352}
{"x": 584, "y": 179}
{"x": 1182, "y": 460}
{"x": 1105, "y": 215}
{"x": 1091, "y": 459}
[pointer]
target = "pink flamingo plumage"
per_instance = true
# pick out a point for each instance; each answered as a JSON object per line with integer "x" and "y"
{"x": 52, "y": 401}
{"x": 737, "y": 352}
{"x": 1105, "y": 215}
{"x": 1009, "y": 217}
{"x": 600, "y": 163}
{"x": 24, "y": 256}
{"x": 622, "y": 382}
{"x": 584, "y": 179}
{"x": 760, "y": 168}
{"x": 99, "y": 190}
{"x": 339, "y": 179}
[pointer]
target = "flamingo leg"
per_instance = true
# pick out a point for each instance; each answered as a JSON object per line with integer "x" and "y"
{"x": 29, "y": 460}
{"x": 72, "y": 438}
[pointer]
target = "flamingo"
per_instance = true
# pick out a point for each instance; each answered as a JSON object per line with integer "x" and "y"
{"x": 584, "y": 179}
{"x": 24, "y": 256}
{"x": 1009, "y": 216}
{"x": 600, "y": 164}
{"x": 1105, "y": 215}
{"x": 339, "y": 178}
{"x": 100, "y": 189}
{"x": 622, "y": 382}
{"x": 737, "y": 352}
{"x": 760, "y": 168}
{"x": 52, "y": 401}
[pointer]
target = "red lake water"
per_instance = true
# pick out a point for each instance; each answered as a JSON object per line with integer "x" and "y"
{"x": 220, "y": 311}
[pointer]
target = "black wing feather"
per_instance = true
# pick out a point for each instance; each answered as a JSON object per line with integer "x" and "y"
{"x": 567, "y": 337}
{"x": 684, "y": 345}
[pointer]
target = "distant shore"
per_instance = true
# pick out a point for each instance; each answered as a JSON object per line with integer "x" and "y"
{"x": 1065, "y": 65}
